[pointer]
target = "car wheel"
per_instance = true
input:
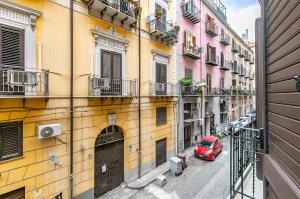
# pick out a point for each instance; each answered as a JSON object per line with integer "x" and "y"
{"x": 213, "y": 158}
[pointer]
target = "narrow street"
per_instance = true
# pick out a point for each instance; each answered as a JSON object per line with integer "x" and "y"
{"x": 202, "y": 179}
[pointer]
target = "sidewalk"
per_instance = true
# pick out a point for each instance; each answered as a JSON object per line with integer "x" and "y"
{"x": 152, "y": 175}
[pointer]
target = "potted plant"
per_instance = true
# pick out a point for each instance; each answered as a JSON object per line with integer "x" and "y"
{"x": 186, "y": 81}
{"x": 158, "y": 13}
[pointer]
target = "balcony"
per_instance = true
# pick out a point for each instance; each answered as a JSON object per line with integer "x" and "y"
{"x": 211, "y": 28}
{"x": 219, "y": 7}
{"x": 235, "y": 68}
{"x": 163, "y": 89}
{"x": 211, "y": 92}
{"x": 251, "y": 60}
{"x": 112, "y": 87}
{"x": 241, "y": 52}
{"x": 193, "y": 90}
{"x": 123, "y": 13}
{"x": 15, "y": 83}
{"x": 191, "y": 12}
{"x": 211, "y": 59}
{"x": 235, "y": 48}
{"x": 225, "y": 65}
{"x": 225, "y": 39}
{"x": 234, "y": 91}
{"x": 247, "y": 56}
{"x": 162, "y": 31}
{"x": 252, "y": 76}
{"x": 247, "y": 74}
{"x": 193, "y": 52}
{"x": 241, "y": 71}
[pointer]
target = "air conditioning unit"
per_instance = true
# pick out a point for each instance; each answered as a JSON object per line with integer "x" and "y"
{"x": 47, "y": 131}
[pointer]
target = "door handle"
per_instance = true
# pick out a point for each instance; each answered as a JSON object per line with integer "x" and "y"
{"x": 297, "y": 79}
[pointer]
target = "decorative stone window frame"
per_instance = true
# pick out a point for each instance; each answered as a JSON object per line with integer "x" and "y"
{"x": 162, "y": 58}
{"x": 108, "y": 40}
{"x": 18, "y": 16}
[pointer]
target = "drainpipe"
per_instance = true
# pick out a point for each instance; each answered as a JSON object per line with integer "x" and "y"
{"x": 139, "y": 99}
{"x": 71, "y": 96}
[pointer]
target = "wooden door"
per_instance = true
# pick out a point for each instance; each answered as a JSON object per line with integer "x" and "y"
{"x": 187, "y": 136}
{"x": 109, "y": 164}
{"x": 111, "y": 73}
{"x": 161, "y": 152}
{"x": 161, "y": 79}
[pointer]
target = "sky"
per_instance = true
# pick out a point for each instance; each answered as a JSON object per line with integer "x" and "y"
{"x": 241, "y": 15}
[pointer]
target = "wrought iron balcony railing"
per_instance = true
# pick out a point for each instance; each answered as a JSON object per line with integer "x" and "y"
{"x": 162, "y": 31}
{"x": 219, "y": 7}
{"x": 211, "y": 59}
{"x": 163, "y": 89}
{"x": 193, "y": 52}
{"x": 120, "y": 12}
{"x": 235, "y": 68}
{"x": 225, "y": 65}
{"x": 29, "y": 83}
{"x": 225, "y": 39}
{"x": 111, "y": 87}
{"x": 247, "y": 75}
{"x": 191, "y": 12}
{"x": 235, "y": 47}
{"x": 247, "y": 56}
{"x": 241, "y": 52}
{"x": 211, "y": 28}
{"x": 210, "y": 92}
{"x": 193, "y": 90}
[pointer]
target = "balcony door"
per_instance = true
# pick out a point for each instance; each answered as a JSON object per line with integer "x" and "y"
{"x": 161, "y": 79}
{"x": 11, "y": 59}
{"x": 211, "y": 53}
{"x": 111, "y": 73}
{"x": 161, "y": 23}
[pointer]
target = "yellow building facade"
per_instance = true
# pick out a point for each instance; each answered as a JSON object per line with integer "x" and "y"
{"x": 118, "y": 135}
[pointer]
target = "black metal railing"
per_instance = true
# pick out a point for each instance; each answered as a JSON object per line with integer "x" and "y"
{"x": 163, "y": 89}
{"x": 191, "y": 12}
{"x": 125, "y": 6}
{"x": 158, "y": 25}
{"x": 235, "y": 47}
{"x": 16, "y": 81}
{"x": 191, "y": 90}
{"x": 192, "y": 51}
{"x": 225, "y": 65}
{"x": 211, "y": 59}
{"x": 106, "y": 87}
{"x": 211, "y": 28}
{"x": 243, "y": 144}
{"x": 225, "y": 39}
{"x": 217, "y": 92}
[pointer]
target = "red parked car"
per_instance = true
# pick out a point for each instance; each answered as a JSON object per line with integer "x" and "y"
{"x": 208, "y": 148}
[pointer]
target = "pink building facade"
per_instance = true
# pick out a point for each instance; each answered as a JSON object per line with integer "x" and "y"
{"x": 206, "y": 61}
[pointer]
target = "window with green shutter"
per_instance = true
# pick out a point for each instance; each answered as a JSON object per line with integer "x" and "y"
{"x": 11, "y": 140}
{"x": 161, "y": 115}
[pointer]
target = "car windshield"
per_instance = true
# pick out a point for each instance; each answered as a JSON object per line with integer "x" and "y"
{"x": 206, "y": 144}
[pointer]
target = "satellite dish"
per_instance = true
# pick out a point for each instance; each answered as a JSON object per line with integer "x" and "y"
{"x": 47, "y": 132}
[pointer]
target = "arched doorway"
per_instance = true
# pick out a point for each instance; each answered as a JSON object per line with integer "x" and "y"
{"x": 109, "y": 160}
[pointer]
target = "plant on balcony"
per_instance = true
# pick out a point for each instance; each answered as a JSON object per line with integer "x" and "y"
{"x": 158, "y": 13}
{"x": 186, "y": 81}
{"x": 171, "y": 34}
